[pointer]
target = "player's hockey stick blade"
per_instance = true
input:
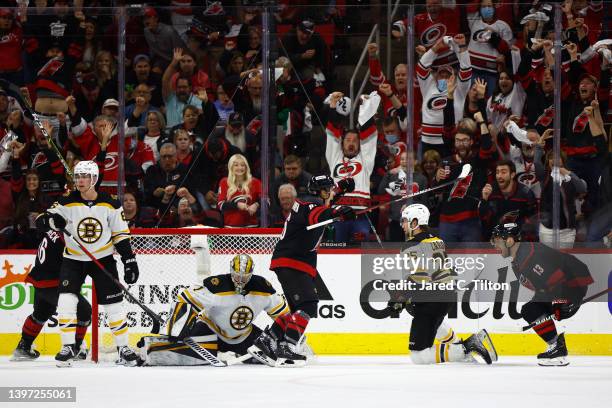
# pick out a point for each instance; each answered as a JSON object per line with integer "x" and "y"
{"x": 202, "y": 352}
{"x": 157, "y": 320}
{"x": 239, "y": 359}
{"x": 550, "y": 317}
{"x": 465, "y": 171}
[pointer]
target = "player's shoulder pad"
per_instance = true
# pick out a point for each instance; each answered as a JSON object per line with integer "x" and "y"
{"x": 260, "y": 284}
{"x": 67, "y": 198}
{"x": 107, "y": 198}
{"x": 219, "y": 283}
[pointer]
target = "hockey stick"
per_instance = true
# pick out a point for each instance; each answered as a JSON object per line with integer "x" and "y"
{"x": 552, "y": 316}
{"x": 15, "y": 92}
{"x": 465, "y": 171}
{"x": 202, "y": 352}
{"x": 157, "y": 320}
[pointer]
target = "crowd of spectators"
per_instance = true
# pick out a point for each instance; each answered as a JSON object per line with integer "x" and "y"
{"x": 484, "y": 91}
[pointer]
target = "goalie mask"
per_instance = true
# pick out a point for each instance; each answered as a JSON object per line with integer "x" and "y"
{"x": 87, "y": 168}
{"x": 241, "y": 269}
{"x": 417, "y": 212}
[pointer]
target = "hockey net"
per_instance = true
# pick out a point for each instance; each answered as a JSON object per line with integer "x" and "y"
{"x": 167, "y": 263}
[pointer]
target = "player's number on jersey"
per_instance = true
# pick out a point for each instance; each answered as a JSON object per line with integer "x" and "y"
{"x": 42, "y": 250}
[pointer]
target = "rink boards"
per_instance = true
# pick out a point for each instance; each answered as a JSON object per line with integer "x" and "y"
{"x": 345, "y": 325}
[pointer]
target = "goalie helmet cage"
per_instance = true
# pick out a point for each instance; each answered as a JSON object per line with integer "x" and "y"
{"x": 167, "y": 263}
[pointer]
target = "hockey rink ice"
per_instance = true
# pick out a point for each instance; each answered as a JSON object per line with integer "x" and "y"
{"x": 329, "y": 381}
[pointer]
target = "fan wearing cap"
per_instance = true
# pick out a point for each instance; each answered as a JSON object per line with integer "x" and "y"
{"x": 161, "y": 39}
{"x": 559, "y": 280}
{"x": 237, "y": 134}
{"x": 583, "y": 135}
{"x": 306, "y": 50}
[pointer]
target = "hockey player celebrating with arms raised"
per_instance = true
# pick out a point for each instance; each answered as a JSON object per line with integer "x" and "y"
{"x": 96, "y": 219}
{"x": 428, "y": 322}
{"x": 218, "y": 314}
{"x": 559, "y": 281}
{"x": 295, "y": 262}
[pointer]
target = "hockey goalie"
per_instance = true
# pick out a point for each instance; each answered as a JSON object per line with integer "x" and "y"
{"x": 214, "y": 321}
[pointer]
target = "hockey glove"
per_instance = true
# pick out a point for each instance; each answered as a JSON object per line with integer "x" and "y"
{"x": 563, "y": 308}
{"x": 130, "y": 270}
{"x": 345, "y": 213}
{"x": 55, "y": 221}
{"x": 346, "y": 185}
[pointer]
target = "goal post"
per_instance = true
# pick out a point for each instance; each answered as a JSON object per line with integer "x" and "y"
{"x": 167, "y": 263}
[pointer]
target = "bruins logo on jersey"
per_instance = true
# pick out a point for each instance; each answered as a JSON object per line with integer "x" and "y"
{"x": 241, "y": 317}
{"x": 215, "y": 281}
{"x": 89, "y": 230}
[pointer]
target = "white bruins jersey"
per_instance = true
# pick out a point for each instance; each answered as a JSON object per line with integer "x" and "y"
{"x": 97, "y": 224}
{"x": 429, "y": 261}
{"x": 230, "y": 314}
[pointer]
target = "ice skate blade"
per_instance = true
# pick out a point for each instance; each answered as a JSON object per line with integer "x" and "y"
{"x": 258, "y": 355}
{"x": 553, "y": 362}
{"x": 287, "y": 363}
{"x": 63, "y": 364}
{"x": 22, "y": 358}
{"x": 126, "y": 363}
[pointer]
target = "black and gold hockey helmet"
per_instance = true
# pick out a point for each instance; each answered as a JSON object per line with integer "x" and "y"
{"x": 241, "y": 270}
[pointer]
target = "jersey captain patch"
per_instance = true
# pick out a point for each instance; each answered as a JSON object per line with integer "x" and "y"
{"x": 241, "y": 317}
{"x": 89, "y": 230}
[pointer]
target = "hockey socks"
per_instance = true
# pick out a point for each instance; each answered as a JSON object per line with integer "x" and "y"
{"x": 117, "y": 323}
{"x": 296, "y": 326}
{"x": 81, "y": 330}
{"x": 30, "y": 330}
{"x": 547, "y": 331}
{"x": 439, "y": 353}
{"x": 280, "y": 325}
{"x": 67, "y": 317}
{"x": 446, "y": 334}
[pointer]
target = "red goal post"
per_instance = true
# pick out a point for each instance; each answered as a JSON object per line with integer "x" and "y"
{"x": 167, "y": 263}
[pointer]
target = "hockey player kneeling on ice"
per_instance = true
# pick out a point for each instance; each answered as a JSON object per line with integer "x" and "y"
{"x": 559, "y": 280}
{"x": 96, "y": 219}
{"x": 218, "y": 315}
{"x": 428, "y": 323}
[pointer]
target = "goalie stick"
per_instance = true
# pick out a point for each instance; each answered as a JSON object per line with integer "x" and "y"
{"x": 157, "y": 320}
{"x": 202, "y": 352}
{"x": 552, "y": 316}
{"x": 465, "y": 171}
{"x": 14, "y": 91}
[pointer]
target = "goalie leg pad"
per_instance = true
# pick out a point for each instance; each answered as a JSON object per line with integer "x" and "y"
{"x": 165, "y": 351}
{"x": 182, "y": 318}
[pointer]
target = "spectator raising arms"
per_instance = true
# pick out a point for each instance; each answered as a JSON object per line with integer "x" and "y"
{"x": 239, "y": 194}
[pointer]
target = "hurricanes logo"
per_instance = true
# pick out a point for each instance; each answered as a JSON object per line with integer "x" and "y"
{"x": 433, "y": 34}
{"x": 343, "y": 170}
{"x": 89, "y": 230}
{"x": 241, "y": 317}
{"x": 437, "y": 102}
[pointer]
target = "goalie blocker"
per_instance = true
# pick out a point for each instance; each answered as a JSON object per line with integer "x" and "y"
{"x": 218, "y": 316}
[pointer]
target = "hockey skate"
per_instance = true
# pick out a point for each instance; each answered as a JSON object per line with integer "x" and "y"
{"x": 83, "y": 352}
{"x": 127, "y": 357}
{"x": 264, "y": 348}
{"x": 555, "y": 355}
{"x": 24, "y": 353}
{"x": 481, "y": 344}
{"x": 285, "y": 357}
{"x": 65, "y": 356}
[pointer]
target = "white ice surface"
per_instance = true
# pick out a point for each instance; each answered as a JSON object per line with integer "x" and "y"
{"x": 336, "y": 382}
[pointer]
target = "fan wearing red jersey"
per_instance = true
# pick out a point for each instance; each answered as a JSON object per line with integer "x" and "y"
{"x": 295, "y": 262}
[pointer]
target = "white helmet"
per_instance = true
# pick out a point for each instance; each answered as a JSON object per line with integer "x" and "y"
{"x": 418, "y": 212}
{"x": 88, "y": 167}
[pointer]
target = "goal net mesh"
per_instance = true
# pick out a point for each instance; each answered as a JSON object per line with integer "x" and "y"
{"x": 167, "y": 263}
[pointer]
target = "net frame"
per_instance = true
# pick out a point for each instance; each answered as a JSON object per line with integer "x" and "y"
{"x": 223, "y": 244}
